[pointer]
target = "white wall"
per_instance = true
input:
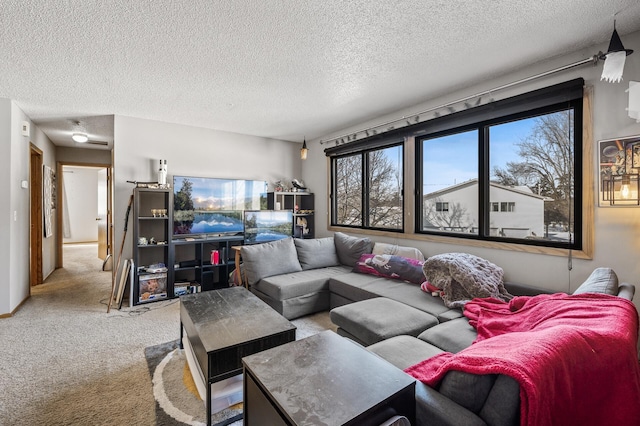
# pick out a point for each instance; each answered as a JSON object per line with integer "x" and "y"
{"x": 192, "y": 151}
{"x": 617, "y": 230}
{"x": 81, "y": 203}
{"x": 14, "y": 166}
{"x": 6, "y": 214}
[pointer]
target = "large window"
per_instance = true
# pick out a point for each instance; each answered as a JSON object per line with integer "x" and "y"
{"x": 509, "y": 171}
{"x": 511, "y": 178}
{"x": 368, "y": 187}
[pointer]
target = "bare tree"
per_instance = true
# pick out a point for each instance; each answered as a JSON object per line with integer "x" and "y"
{"x": 348, "y": 188}
{"x": 547, "y": 164}
{"x": 384, "y": 191}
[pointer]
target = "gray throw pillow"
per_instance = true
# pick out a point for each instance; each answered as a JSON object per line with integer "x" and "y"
{"x": 350, "y": 249}
{"x": 269, "y": 259}
{"x": 601, "y": 280}
{"x": 316, "y": 253}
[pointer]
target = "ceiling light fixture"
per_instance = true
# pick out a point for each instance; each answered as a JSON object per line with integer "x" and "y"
{"x": 614, "y": 59}
{"x": 304, "y": 151}
{"x": 80, "y": 137}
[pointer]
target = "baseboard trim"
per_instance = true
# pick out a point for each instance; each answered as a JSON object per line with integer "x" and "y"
{"x": 10, "y": 314}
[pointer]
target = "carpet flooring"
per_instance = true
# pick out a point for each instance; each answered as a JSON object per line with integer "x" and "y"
{"x": 65, "y": 361}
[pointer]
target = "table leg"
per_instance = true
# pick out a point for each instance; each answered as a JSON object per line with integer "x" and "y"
{"x": 208, "y": 402}
{"x": 238, "y": 273}
{"x": 181, "y": 335}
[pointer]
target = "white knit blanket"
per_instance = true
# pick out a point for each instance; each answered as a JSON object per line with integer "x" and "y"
{"x": 462, "y": 277}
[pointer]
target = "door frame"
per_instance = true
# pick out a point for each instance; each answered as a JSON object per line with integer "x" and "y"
{"x": 61, "y": 206}
{"x": 36, "y": 226}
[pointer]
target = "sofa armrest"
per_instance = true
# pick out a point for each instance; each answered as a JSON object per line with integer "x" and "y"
{"x": 626, "y": 290}
{"x": 435, "y": 409}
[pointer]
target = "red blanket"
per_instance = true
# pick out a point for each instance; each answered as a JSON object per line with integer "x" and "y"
{"x": 575, "y": 357}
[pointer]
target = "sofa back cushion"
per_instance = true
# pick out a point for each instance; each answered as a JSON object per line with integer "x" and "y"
{"x": 269, "y": 259}
{"x": 349, "y": 249}
{"x": 316, "y": 253}
{"x": 601, "y": 280}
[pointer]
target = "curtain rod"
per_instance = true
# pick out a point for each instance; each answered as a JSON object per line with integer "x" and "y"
{"x": 593, "y": 59}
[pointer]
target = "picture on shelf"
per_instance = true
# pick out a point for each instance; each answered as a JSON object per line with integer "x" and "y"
{"x": 152, "y": 287}
{"x": 213, "y": 206}
{"x": 267, "y": 225}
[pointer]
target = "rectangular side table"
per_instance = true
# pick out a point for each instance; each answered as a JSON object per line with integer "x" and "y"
{"x": 223, "y": 326}
{"x": 324, "y": 379}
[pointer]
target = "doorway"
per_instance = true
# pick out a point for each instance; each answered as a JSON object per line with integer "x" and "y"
{"x": 85, "y": 208}
{"x": 35, "y": 216}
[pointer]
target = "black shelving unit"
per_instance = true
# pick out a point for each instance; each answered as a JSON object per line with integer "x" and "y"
{"x": 302, "y": 205}
{"x": 151, "y": 245}
{"x": 194, "y": 265}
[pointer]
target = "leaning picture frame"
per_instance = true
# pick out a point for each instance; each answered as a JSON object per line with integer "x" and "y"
{"x": 619, "y": 172}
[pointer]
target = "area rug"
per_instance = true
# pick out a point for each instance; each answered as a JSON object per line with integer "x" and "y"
{"x": 175, "y": 393}
{"x": 177, "y": 399}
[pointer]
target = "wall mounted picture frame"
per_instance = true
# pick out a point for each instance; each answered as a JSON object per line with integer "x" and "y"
{"x": 619, "y": 172}
{"x": 48, "y": 200}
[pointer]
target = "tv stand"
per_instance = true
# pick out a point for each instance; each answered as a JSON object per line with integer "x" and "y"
{"x": 204, "y": 262}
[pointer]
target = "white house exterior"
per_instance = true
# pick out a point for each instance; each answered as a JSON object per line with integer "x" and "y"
{"x": 515, "y": 212}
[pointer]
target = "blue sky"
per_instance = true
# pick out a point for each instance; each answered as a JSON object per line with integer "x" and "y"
{"x": 454, "y": 159}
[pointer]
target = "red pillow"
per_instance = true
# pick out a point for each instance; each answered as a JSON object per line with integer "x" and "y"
{"x": 390, "y": 266}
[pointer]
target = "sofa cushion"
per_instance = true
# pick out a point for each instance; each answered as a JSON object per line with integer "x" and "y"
{"x": 468, "y": 390}
{"x": 376, "y": 319}
{"x": 269, "y": 259}
{"x": 396, "y": 250}
{"x": 316, "y": 253}
{"x": 451, "y": 336}
{"x": 601, "y": 280}
{"x": 391, "y": 266}
{"x": 355, "y": 287}
{"x": 294, "y": 284}
{"x": 502, "y": 407}
{"x": 350, "y": 249}
{"x": 404, "y": 351}
{"x": 433, "y": 408}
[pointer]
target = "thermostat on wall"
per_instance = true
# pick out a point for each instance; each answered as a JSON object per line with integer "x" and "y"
{"x": 25, "y": 128}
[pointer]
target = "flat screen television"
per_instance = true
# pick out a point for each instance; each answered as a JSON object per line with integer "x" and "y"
{"x": 261, "y": 226}
{"x": 206, "y": 206}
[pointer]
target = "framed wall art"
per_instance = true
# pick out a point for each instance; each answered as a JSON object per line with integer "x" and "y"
{"x": 619, "y": 172}
{"x": 48, "y": 199}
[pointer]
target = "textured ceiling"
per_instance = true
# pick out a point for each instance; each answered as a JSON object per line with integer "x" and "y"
{"x": 281, "y": 69}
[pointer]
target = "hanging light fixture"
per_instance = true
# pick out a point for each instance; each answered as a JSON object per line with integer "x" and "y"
{"x": 80, "y": 137}
{"x": 304, "y": 151}
{"x": 614, "y": 59}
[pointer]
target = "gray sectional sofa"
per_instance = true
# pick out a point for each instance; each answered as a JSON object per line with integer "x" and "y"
{"x": 393, "y": 318}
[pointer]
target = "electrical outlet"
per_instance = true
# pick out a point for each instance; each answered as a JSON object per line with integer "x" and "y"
{"x": 15, "y": 215}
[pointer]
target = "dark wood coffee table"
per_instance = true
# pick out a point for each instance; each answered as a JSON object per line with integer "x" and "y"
{"x": 324, "y": 379}
{"x": 223, "y": 326}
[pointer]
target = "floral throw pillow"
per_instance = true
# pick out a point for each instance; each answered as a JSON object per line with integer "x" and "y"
{"x": 390, "y": 266}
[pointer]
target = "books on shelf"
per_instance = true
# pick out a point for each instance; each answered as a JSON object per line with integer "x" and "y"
{"x": 186, "y": 287}
{"x": 219, "y": 256}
